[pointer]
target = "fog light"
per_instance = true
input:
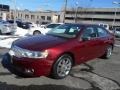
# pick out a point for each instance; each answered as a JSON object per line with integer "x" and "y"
{"x": 29, "y": 70}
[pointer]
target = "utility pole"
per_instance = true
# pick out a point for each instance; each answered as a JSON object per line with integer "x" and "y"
{"x": 76, "y": 11}
{"x": 65, "y": 7}
{"x": 114, "y": 17}
{"x": 15, "y": 11}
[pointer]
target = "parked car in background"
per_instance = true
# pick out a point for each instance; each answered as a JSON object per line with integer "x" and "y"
{"x": 117, "y": 32}
{"x": 43, "y": 24}
{"x": 21, "y": 27}
{"x": 31, "y": 25}
{"x": 20, "y": 24}
{"x": 6, "y": 27}
{"x": 28, "y": 28}
{"x": 60, "y": 49}
{"x": 43, "y": 30}
{"x": 106, "y": 26}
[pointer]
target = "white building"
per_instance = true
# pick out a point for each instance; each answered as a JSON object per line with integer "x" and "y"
{"x": 35, "y": 16}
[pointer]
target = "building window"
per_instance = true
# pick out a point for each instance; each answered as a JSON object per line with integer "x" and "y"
{"x": 43, "y": 17}
{"x": 48, "y": 17}
{"x": 26, "y": 16}
{"x": 37, "y": 17}
{"x": 18, "y": 14}
{"x": 32, "y": 17}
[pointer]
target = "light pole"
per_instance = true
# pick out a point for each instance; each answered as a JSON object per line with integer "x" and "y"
{"x": 76, "y": 11}
{"x": 65, "y": 7}
{"x": 15, "y": 11}
{"x": 117, "y": 3}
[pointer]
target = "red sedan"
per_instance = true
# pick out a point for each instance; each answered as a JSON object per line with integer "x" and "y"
{"x": 63, "y": 47}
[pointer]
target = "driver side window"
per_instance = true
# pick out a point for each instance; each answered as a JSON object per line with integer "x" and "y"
{"x": 89, "y": 32}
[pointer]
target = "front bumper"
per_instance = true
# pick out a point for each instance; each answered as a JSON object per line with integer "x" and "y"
{"x": 32, "y": 67}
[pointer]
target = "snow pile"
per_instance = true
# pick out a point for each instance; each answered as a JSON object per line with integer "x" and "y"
{"x": 6, "y": 41}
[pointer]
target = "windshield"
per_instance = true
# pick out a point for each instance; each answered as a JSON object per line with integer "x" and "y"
{"x": 117, "y": 29}
{"x": 65, "y": 31}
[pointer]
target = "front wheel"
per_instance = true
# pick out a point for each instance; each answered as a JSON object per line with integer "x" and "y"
{"x": 62, "y": 66}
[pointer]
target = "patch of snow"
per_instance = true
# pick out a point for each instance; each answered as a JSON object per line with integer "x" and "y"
{"x": 6, "y": 43}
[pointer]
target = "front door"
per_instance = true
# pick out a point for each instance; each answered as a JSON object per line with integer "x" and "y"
{"x": 88, "y": 45}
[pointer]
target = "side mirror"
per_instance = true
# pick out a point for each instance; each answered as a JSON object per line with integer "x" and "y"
{"x": 86, "y": 38}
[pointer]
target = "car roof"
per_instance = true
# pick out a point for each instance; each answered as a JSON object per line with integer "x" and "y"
{"x": 82, "y": 24}
{"x": 55, "y": 23}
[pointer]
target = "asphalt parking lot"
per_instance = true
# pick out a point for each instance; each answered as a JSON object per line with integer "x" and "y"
{"x": 98, "y": 74}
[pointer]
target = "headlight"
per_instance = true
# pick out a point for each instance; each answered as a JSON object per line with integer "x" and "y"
{"x": 35, "y": 54}
{"x": 19, "y": 52}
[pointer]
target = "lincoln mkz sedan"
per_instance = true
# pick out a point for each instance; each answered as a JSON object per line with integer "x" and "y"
{"x": 60, "y": 49}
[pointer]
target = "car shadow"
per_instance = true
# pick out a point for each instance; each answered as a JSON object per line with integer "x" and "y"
{"x": 90, "y": 70}
{"x": 5, "y": 86}
{"x": 5, "y": 73}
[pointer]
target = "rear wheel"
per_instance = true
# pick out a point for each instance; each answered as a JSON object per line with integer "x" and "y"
{"x": 62, "y": 67}
{"x": 108, "y": 52}
{"x": 36, "y": 32}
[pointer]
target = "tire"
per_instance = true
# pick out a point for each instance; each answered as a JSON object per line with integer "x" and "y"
{"x": 36, "y": 32}
{"x": 108, "y": 52}
{"x": 62, "y": 67}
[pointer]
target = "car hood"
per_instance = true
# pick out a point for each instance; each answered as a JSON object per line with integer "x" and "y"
{"x": 40, "y": 42}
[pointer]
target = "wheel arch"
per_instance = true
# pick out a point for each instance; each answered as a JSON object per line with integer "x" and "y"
{"x": 112, "y": 45}
{"x": 36, "y": 31}
{"x": 52, "y": 69}
{"x": 69, "y": 53}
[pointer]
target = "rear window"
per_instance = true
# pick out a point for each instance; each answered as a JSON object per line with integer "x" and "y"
{"x": 11, "y": 21}
{"x": 118, "y": 29}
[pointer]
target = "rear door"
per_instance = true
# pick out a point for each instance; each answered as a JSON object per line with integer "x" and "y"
{"x": 88, "y": 48}
{"x": 104, "y": 40}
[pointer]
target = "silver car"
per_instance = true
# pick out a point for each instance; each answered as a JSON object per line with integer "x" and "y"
{"x": 117, "y": 32}
{"x": 6, "y": 27}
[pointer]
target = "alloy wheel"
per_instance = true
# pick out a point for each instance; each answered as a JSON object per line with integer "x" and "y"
{"x": 64, "y": 67}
